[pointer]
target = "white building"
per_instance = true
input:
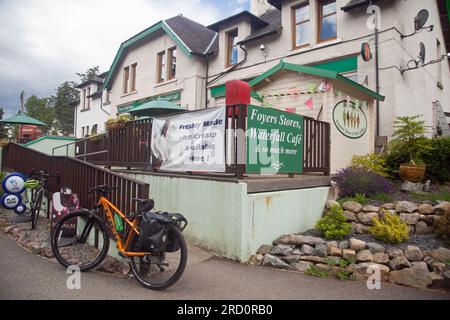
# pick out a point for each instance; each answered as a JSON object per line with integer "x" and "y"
{"x": 93, "y": 109}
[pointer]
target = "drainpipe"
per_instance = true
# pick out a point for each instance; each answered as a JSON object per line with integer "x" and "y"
{"x": 206, "y": 81}
{"x": 377, "y": 76}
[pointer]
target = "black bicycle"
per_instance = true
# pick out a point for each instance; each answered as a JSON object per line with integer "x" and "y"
{"x": 38, "y": 192}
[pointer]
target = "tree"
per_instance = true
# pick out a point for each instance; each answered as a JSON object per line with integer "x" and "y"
{"x": 40, "y": 109}
{"x": 3, "y": 132}
{"x": 90, "y": 73}
{"x": 62, "y": 103}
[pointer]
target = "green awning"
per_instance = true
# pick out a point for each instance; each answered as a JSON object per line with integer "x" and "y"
{"x": 23, "y": 119}
{"x": 156, "y": 108}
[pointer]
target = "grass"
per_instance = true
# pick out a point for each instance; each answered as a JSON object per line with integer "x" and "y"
{"x": 442, "y": 196}
{"x": 315, "y": 272}
{"x": 381, "y": 197}
{"x": 360, "y": 198}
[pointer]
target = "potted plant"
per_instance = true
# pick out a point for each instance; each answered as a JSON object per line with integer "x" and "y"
{"x": 117, "y": 123}
{"x": 409, "y": 137}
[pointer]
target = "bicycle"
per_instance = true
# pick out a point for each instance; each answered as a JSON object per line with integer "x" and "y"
{"x": 88, "y": 244}
{"x": 38, "y": 191}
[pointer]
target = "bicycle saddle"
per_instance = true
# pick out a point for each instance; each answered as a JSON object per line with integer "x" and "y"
{"x": 144, "y": 204}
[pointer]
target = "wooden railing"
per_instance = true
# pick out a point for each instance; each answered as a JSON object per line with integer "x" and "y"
{"x": 129, "y": 145}
{"x": 76, "y": 174}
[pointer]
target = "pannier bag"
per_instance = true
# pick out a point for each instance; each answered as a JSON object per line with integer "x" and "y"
{"x": 155, "y": 232}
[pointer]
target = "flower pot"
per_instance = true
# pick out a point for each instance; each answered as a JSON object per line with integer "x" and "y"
{"x": 412, "y": 173}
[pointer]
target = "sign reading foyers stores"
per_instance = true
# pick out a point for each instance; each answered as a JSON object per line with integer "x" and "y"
{"x": 350, "y": 119}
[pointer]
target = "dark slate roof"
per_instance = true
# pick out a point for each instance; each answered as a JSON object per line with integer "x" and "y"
{"x": 275, "y": 3}
{"x": 444, "y": 13}
{"x": 256, "y": 21}
{"x": 354, "y": 4}
{"x": 273, "y": 19}
{"x": 95, "y": 79}
{"x": 196, "y": 36}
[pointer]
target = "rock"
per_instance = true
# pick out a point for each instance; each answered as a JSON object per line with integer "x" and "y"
{"x": 366, "y": 269}
{"x": 291, "y": 259}
{"x": 426, "y": 209}
{"x": 331, "y": 244}
{"x": 107, "y": 266}
{"x": 410, "y": 218}
{"x": 349, "y": 254}
{"x": 412, "y": 230}
{"x": 380, "y": 258}
{"x": 350, "y": 216}
{"x": 438, "y": 267}
{"x": 308, "y": 250}
{"x": 356, "y": 244}
{"x": 370, "y": 208}
{"x": 388, "y": 206}
{"x": 15, "y": 231}
{"x": 405, "y": 207}
{"x": 298, "y": 240}
{"x": 302, "y": 266}
{"x": 417, "y": 278}
{"x": 34, "y": 247}
{"x": 429, "y": 261}
{"x": 344, "y": 244}
{"x": 321, "y": 250}
{"x": 264, "y": 249}
{"x": 366, "y": 218}
{"x": 364, "y": 256}
{"x": 359, "y": 228}
{"x": 412, "y": 187}
{"x": 352, "y": 206}
{"x": 331, "y": 203}
{"x": 420, "y": 265}
{"x": 335, "y": 252}
{"x": 126, "y": 269}
{"x": 399, "y": 263}
{"x": 312, "y": 259}
{"x": 423, "y": 228}
{"x": 375, "y": 247}
{"x": 297, "y": 252}
{"x": 333, "y": 260}
{"x": 413, "y": 253}
{"x": 441, "y": 254}
{"x": 442, "y": 208}
{"x": 256, "y": 259}
{"x": 23, "y": 238}
{"x": 282, "y": 250}
{"x": 8, "y": 229}
{"x": 430, "y": 220}
{"x": 47, "y": 252}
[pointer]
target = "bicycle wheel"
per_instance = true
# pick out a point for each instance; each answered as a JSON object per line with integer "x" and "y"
{"x": 158, "y": 271}
{"x": 36, "y": 207}
{"x": 80, "y": 239}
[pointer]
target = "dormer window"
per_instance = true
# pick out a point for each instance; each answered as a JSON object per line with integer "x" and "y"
{"x": 301, "y": 25}
{"x": 232, "y": 48}
{"x": 327, "y": 20}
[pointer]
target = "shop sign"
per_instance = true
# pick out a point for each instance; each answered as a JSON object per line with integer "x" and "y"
{"x": 350, "y": 119}
{"x": 274, "y": 141}
{"x": 172, "y": 97}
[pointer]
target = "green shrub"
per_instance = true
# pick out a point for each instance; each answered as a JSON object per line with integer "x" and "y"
{"x": 361, "y": 198}
{"x": 371, "y": 163}
{"x": 442, "y": 227}
{"x": 439, "y": 154}
{"x": 333, "y": 225}
{"x": 381, "y": 197}
{"x": 389, "y": 228}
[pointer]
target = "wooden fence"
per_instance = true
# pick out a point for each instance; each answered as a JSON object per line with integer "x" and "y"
{"x": 129, "y": 145}
{"x": 77, "y": 174}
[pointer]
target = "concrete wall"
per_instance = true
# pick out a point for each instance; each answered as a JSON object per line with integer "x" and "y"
{"x": 224, "y": 218}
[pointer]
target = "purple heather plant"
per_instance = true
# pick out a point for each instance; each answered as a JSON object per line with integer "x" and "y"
{"x": 352, "y": 181}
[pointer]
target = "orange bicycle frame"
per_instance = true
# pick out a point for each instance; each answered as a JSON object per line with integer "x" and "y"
{"x": 133, "y": 231}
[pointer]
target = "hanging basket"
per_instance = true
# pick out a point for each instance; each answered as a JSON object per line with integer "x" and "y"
{"x": 115, "y": 126}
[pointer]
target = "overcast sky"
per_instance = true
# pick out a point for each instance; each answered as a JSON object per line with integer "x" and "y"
{"x": 45, "y": 42}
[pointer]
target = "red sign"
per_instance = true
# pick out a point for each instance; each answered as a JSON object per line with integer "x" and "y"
{"x": 237, "y": 93}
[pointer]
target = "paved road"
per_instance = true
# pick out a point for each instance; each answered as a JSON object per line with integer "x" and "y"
{"x": 26, "y": 276}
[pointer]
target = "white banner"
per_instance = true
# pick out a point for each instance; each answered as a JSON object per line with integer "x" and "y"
{"x": 190, "y": 141}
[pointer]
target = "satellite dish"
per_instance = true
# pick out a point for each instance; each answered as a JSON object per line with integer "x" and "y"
{"x": 422, "y": 53}
{"x": 421, "y": 19}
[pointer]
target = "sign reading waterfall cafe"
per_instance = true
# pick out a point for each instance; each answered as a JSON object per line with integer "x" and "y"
{"x": 350, "y": 119}
{"x": 274, "y": 141}
{"x": 190, "y": 142}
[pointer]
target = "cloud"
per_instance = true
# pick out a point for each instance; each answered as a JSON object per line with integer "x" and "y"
{"x": 45, "y": 42}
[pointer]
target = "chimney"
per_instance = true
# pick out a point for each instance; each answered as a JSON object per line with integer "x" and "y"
{"x": 259, "y": 7}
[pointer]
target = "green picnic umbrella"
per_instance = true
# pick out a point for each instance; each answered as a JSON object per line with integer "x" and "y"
{"x": 156, "y": 108}
{"x": 22, "y": 119}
